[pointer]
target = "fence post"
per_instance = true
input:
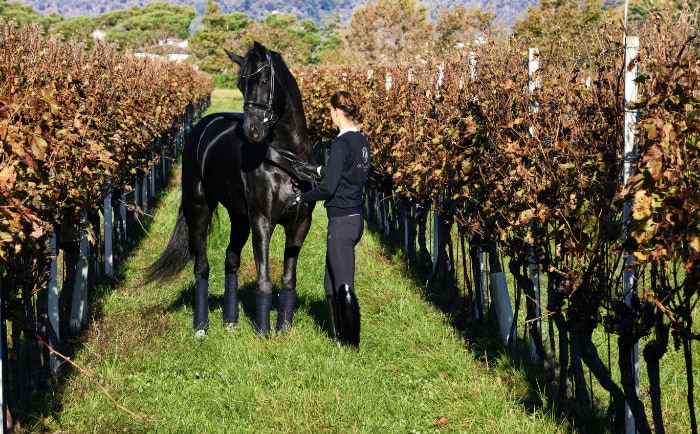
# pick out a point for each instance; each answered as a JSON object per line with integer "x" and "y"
{"x": 629, "y": 154}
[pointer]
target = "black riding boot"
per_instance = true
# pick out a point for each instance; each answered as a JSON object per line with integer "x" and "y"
{"x": 285, "y": 310}
{"x": 263, "y": 301}
{"x": 349, "y": 310}
{"x": 333, "y": 317}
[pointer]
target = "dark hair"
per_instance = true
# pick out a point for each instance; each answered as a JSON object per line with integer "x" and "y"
{"x": 346, "y": 102}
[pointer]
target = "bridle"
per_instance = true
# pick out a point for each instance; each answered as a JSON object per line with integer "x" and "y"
{"x": 268, "y": 118}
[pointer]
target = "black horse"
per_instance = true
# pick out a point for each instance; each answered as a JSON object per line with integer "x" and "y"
{"x": 248, "y": 162}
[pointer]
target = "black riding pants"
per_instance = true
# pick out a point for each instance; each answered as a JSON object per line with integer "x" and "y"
{"x": 343, "y": 235}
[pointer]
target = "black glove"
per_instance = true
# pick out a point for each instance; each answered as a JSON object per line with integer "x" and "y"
{"x": 292, "y": 200}
{"x": 309, "y": 169}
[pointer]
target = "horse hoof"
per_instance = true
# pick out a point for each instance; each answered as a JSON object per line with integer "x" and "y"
{"x": 199, "y": 335}
{"x": 284, "y": 330}
{"x": 230, "y": 327}
{"x": 262, "y": 335}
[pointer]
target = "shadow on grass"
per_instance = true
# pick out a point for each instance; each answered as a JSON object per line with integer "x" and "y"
{"x": 482, "y": 338}
{"x": 246, "y": 300}
{"x": 316, "y": 309}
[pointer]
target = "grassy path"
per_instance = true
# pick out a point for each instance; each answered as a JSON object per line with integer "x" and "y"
{"x": 411, "y": 374}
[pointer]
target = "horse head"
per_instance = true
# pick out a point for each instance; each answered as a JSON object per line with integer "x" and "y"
{"x": 263, "y": 92}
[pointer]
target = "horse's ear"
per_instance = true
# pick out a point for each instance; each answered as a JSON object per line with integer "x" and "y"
{"x": 259, "y": 50}
{"x": 235, "y": 57}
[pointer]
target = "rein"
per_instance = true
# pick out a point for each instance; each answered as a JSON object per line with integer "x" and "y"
{"x": 298, "y": 164}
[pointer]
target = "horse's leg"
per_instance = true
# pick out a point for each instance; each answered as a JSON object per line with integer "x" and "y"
{"x": 262, "y": 231}
{"x": 294, "y": 237}
{"x": 240, "y": 230}
{"x": 198, "y": 215}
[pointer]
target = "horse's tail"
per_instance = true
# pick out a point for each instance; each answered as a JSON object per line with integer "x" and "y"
{"x": 175, "y": 256}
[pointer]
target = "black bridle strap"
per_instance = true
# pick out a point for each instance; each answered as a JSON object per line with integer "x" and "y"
{"x": 269, "y": 117}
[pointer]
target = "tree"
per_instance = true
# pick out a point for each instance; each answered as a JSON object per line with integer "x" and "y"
{"x": 76, "y": 29}
{"x": 389, "y": 31}
{"x": 297, "y": 41}
{"x": 640, "y": 10}
{"x": 461, "y": 26}
{"x": 138, "y": 28}
{"x": 561, "y": 26}
{"x": 20, "y": 13}
{"x": 217, "y": 31}
{"x": 329, "y": 50}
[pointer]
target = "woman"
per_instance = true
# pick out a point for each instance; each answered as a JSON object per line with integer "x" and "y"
{"x": 344, "y": 178}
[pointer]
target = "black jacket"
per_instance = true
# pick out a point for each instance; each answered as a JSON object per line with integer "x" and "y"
{"x": 344, "y": 176}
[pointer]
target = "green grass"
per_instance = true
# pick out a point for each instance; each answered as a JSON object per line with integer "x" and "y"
{"x": 226, "y": 100}
{"x": 413, "y": 372}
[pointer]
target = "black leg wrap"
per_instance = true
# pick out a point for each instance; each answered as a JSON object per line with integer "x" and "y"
{"x": 263, "y": 301}
{"x": 285, "y": 310}
{"x": 349, "y": 310}
{"x": 201, "y": 305}
{"x": 230, "y": 309}
{"x": 333, "y": 317}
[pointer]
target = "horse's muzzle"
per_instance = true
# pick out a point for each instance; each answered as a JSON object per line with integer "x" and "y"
{"x": 255, "y": 133}
{"x": 257, "y": 123}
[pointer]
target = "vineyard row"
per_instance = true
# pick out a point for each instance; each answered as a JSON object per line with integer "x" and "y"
{"x": 530, "y": 166}
{"x": 80, "y": 133}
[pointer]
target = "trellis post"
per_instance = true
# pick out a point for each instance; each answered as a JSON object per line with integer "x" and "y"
{"x": 533, "y": 265}
{"x": 122, "y": 216}
{"x": 107, "y": 214}
{"x": 436, "y": 234}
{"x": 78, "y": 315}
{"x": 152, "y": 175}
{"x": 479, "y": 289}
{"x": 144, "y": 191}
{"x": 52, "y": 304}
{"x": 2, "y": 368}
{"x": 629, "y": 154}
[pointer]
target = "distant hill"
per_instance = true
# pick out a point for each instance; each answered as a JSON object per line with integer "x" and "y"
{"x": 506, "y": 10}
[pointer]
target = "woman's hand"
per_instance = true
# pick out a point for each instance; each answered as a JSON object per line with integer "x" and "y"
{"x": 309, "y": 169}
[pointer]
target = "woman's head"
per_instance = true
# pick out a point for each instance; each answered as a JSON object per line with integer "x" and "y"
{"x": 346, "y": 103}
